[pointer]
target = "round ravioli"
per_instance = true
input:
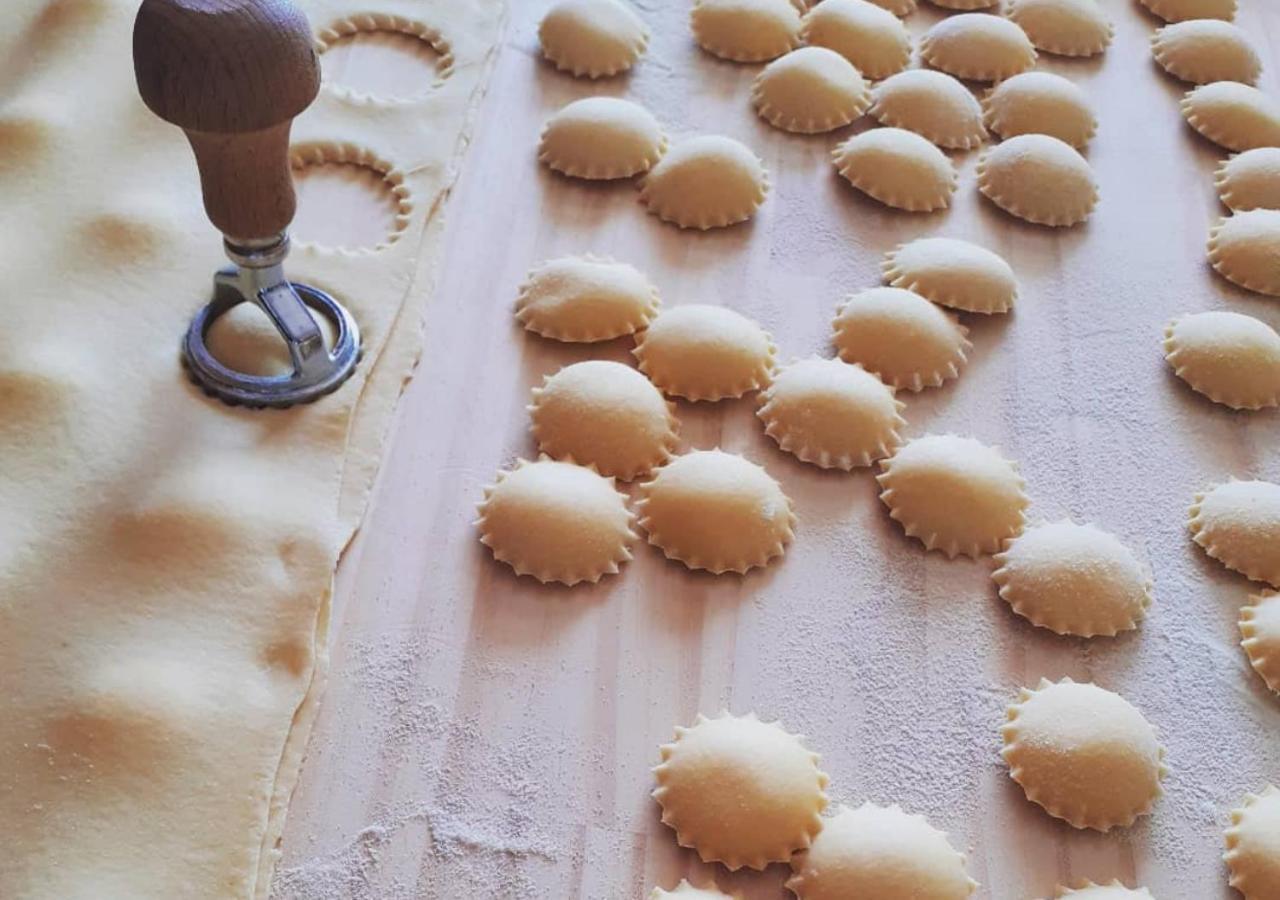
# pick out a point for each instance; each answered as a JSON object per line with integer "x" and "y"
{"x": 1250, "y": 180}
{"x": 686, "y": 891}
{"x": 881, "y": 852}
{"x": 602, "y": 138}
{"x": 583, "y": 299}
{"x": 1084, "y": 754}
{"x": 953, "y": 273}
{"x": 810, "y": 90}
{"x": 1063, "y": 27}
{"x": 556, "y": 521}
{"x": 1205, "y": 50}
{"x": 933, "y": 105}
{"x": 1253, "y": 846}
{"x": 871, "y": 38}
{"x": 965, "y": 4}
{"x": 1233, "y": 115}
{"x": 1040, "y": 179}
{"x": 899, "y": 8}
{"x": 1238, "y": 524}
{"x": 740, "y": 791}
{"x": 1260, "y": 636}
{"x": 901, "y": 337}
{"x": 978, "y": 47}
{"x": 831, "y": 414}
{"x": 1040, "y": 103}
{"x": 746, "y": 30}
{"x": 954, "y": 494}
{"x": 706, "y": 182}
{"x": 1181, "y": 10}
{"x": 897, "y": 167}
{"x": 592, "y": 38}
{"x": 702, "y": 352}
{"x": 1114, "y": 891}
{"x": 1073, "y": 579}
{"x": 606, "y": 415}
{"x": 1231, "y": 358}
{"x": 1245, "y": 250}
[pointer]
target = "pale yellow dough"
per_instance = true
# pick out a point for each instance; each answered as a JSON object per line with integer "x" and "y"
{"x": 1063, "y": 27}
{"x": 593, "y": 38}
{"x": 601, "y": 138}
{"x": 716, "y": 511}
{"x": 1253, "y": 846}
{"x": 1181, "y": 10}
{"x": 978, "y": 47}
{"x": 831, "y": 414}
{"x": 740, "y": 791}
{"x": 606, "y": 415}
{"x": 965, "y": 4}
{"x": 1250, "y": 180}
{"x": 556, "y": 521}
{"x": 1231, "y": 358}
{"x": 1040, "y": 103}
{"x": 1111, "y": 891}
{"x": 1073, "y": 579}
{"x": 1205, "y": 50}
{"x": 1244, "y": 249}
{"x": 899, "y": 8}
{"x": 1260, "y": 636}
{"x": 1040, "y": 179}
{"x": 1084, "y": 754}
{"x": 953, "y": 273}
{"x": 701, "y": 352}
{"x": 897, "y": 167}
{"x": 871, "y": 38}
{"x": 582, "y": 299}
{"x": 933, "y": 105}
{"x": 901, "y": 337}
{"x": 881, "y": 852}
{"x": 745, "y": 30}
{"x": 706, "y": 182}
{"x": 685, "y": 891}
{"x": 810, "y": 90}
{"x": 1233, "y": 115}
{"x": 1238, "y": 524}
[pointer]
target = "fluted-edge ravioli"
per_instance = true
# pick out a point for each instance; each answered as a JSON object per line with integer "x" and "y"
{"x": 1244, "y": 247}
{"x": 965, "y": 5}
{"x": 900, "y": 336}
{"x": 1112, "y": 890}
{"x": 1231, "y": 358}
{"x": 1040, "y": 179}
{"x": 1260, "y": 636}
{"x": 703, "y": 352}
{"x": 899, "y": 8}
{"x": 1253, "y": 846}
{"x": 592, "y": 38}
{"x": 953, "y": 273}
{"x": 583, "y": 299}
{"x": 1040, "y": 103}
{"x": 686, "y": 891}
{"x": 1233, "y": 115}
{"x": 1063, "y": 27}
{"x": 1238, "y": 524}
{"x": 601, "y": 138}
{"x": 933, "y": 104}
{"x": 1205, "y": 50}
{"x": 810, "y": 90}
{"x": 897, "y": 167}
{"x": 1250, "y": 180}
{"x": 1181, "y": 10}
{"x": 745, "y": 30}
{"x": 705, "y": 182}
{"x": 978, "y": 47}
{"x": 871, "y": 38}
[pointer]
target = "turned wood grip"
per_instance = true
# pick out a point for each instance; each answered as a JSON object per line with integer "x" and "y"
{"x": 232, "y": 74}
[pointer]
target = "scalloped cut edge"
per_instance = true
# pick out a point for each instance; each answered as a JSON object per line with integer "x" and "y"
{"x": 346, "y": 153}
{"x": 638, "y": 166}
{"x": 995, "y": 123}
{"x": 1160, "y": 52}
{"x": 918, "y": 381}
{"x": 1217, "y": 259}
{"x": 372, "y": 23}
{"x": 1267, "y": 667}
{"x": 967, "y": 142}
{"x": 993, "y": 75}
{"x": 1064, "y": 891}
{"x": 561, "y": 64}
{"x": 632, "y": 326}
{"x": 1171, "y": 350}
{"x": 1226, "y": 139}
{"x": 783, "y": 122}
{"x": 896, "y": 277}
{"x": 1059, "y": 220}
{"x": 1222, "y": 183}
{"x": 1196, "y": 526}
{"x": 824, "y": 459}
{"x": 1157, "y": 9}
{"x": 760, "y": 378}
{"x": 943, "y": 201}
{"x": 719, "y": 51}
{"x": 1237, "y": 879}
{"x": 706, "y": 222}
{"x": 1077, "y": 51}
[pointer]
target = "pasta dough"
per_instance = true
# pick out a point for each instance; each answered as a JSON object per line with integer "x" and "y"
{"x": 685, "y": 891}
{"x": 1181, "y": 10}
{"x": 746, "y": 30}
{"x": 871, "y": 38}
{"x": 1250, "y": 180}
{"x": 881, "y": 852}
{"x": 901, "y": 337}
{"x": 592, "y": 38}
{"x": 933, "y": 105}
{"x": 1040, "y": 103}
{"x": 1253, "y": 845}
{"x": 1205, "y": 50}
{"x": 810, "y": 90}
{"x": 1243, "y": 249}
{"x": 740, "y": 791}
{"x": 953, "y": 494}
{"x": 978, "y": 47}
{"x": 1238, "y": 524}
{"x": 602, "y": 138}
{"x": 831, "y": 414}
{"x": 1233, "y": 115}
{"x": 716, "y": 511}
{"x": 1040, "y": 179}
{"x": 965, "y": 4}
{"x": 897, "y": 167}
{"x": 953, "y": 273}
{"x": 585, "y": 299}
{"x": 1232, "y": 359}
{"x": 1063, "y": 27}
{"x": 1260, "y": 636}
{"x": 606, "y": 415}
{"x": 1111, "y": 891}
{"x": 1083, "y": 754}
{"x": 706, "y": 182}
{"x": 899, "y": 8}
{"x": 703, "y": 352}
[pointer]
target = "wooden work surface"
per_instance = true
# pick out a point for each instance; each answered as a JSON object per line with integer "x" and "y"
{"x": 485, "y": 736}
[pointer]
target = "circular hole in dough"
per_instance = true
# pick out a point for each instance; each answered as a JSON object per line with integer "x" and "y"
{"x": 954, "y": 494}
{"x": 1181, "y": 10}
{"x": 901, "y": 337}
{"x": 583, "y": 299}
{"x": 933, "y": 105}
{"x": 1260, "y": 637}
{"x": 706, "y": 182}
{"x": 871, "y": 38}
{"x": 556, "y": 521}
{"x": 1040, "y": 179}
{"x": 1250, "y": 180}
{"x": 1253, "y": 846}
{"x": 953, "y": 273}
{"x": 740, "y": 791}
{"x": 716, "y": 511}
{"x": 1205, "y": 50}
{"x": 831, "y": 414}
{"x": 897, "y": 167}
{"x": 702, "y": 352}
{"x": 882, "y": 852}
{"x": 1063, "y": 27}
{"x": 810, "y": 90}
{"x": 1040, "y": 103}
{"x": 592, "y": 38}
{"x": 390, "y": 58}
{"x": 686, "y": 891}
{"x": 1233, "y": 115}
{"x": 601, "y": 138}
{"x": 1084, "y": 754}
{"x": 1244, "y": 248}
{"x": 1073, "y": 579}
{"x": 978, "y": 47}
{"x": 745, "y": 30}
{"x": 606, "y": 415}
{"x": 1232, "y": 359}
{"x": 1113, "y": 890}
{"x": 372, "y": 193}
{"x": 1238, "y": 524}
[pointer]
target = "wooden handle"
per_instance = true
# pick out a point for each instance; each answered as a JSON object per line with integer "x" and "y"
{"x": 232, "y": 74}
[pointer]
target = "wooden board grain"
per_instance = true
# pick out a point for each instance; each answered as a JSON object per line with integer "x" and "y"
{"x": 486, "y": 736}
